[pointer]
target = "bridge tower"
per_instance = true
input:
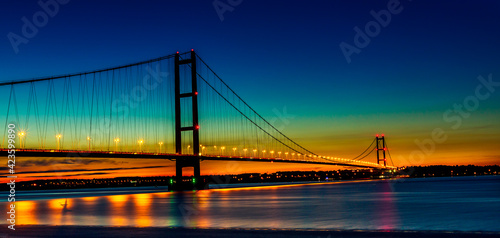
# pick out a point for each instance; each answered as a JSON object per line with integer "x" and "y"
{"x": 186, "y": 161}
{"x": 380, "y": 142}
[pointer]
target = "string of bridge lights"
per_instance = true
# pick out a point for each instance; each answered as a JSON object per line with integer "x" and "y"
{"x": 218, "y": 151}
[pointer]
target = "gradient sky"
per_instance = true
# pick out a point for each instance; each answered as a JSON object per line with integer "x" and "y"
{"x": 426, "y": 59}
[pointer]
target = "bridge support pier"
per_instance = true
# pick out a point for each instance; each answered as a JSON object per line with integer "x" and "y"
{"x": 195, "y": 182}
{"x": 381, "y": 147}
{"x": 187, "y": 161}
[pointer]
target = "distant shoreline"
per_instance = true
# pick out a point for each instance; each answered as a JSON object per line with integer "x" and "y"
{"x": 28, "y": 195}
{"x": 43, "y": 194}
{"x": 257, "y": 178}
{"x": 98, "y": 231}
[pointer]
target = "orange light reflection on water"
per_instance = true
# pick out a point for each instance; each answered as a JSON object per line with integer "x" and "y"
{"x": 118, "y": 217}
{"x": 143, "y": 208}
{"x": 89, "y": 199}
{"x": 25, "y": 212}
{"x": 58, "y": 209}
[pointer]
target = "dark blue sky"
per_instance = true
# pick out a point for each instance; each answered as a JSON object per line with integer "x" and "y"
{"x": 427, "y": 58}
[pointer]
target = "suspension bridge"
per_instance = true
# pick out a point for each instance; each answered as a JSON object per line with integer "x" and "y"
{"x": 173, "y": 107}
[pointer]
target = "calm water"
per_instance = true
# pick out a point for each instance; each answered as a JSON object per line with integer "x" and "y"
{"x": 459, "y": 203}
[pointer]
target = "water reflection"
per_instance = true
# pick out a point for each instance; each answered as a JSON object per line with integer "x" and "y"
{"x": 143, "y": 209}
{"x": 388, "y": 211}
{"x": 24, "y": 212}
{"x": 368, "y": 205}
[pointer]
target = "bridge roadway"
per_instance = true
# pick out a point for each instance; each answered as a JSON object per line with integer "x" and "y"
{"x": 107, "y": 154}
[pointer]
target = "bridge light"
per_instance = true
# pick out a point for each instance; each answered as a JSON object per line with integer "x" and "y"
{"x": 385, "y": 148}
{"x": 382, "y": 135}
{"x": 377, "y": 135}
{"x": 192, "y": 49}
{"x": 177, "y": 52}
{"x": 194, "y": 180}
{"x": 116, "y": 140}
{"x": 195, "y": 93}
{"x": 140, "y": 144}
{"x": 197, "y": 127}
{"x": 21, "y": 135}
{"x": 160, "y": 143}
{"x": 58, "y": 137}
{"x": 88, "y": 138}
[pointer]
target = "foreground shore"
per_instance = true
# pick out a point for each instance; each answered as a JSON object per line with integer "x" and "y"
{"x": 96, "y": 231}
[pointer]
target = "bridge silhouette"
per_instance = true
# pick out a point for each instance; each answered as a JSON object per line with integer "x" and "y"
{"x": 143, "y": 110}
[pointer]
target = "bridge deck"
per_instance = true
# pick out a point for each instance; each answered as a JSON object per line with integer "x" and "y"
{"x": 106, "y": 154}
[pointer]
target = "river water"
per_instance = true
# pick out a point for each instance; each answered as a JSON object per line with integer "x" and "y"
{"x": 452, "y": 204}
